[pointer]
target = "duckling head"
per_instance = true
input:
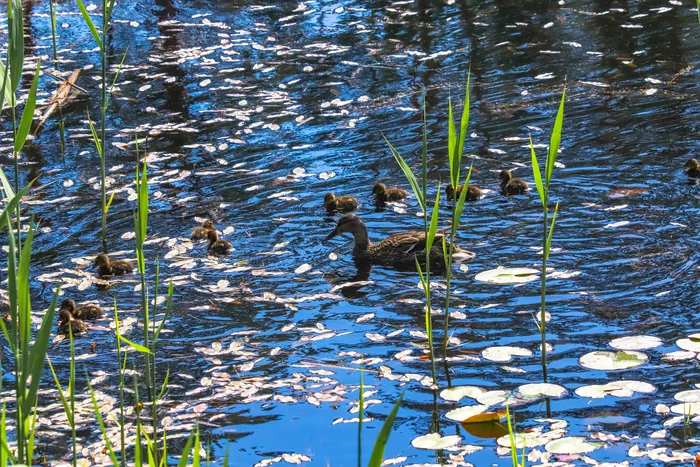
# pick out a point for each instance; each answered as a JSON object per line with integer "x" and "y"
{"x": 691, "y": 164}
{"x": 207, "y": 224}
{"x": 378, "y": 189}
{"x": 212, "y": 236}
{"x": 68, "y": 305}
{"x": 349, "y": 223}
{"x": 64, "y": 316}
{"x": 505, "y": 175}
{"x": 102, "y": 260}
{"x": 328, "y": 199}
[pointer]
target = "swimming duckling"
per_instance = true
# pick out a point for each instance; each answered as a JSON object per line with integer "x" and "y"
{"x": 385, "y": 194}
{"x": 87, "y": 312}
{"x": 512, "y": 186}
{"x": 400, "y": 249}
{"x": 216, "y": 246}
{"x": 340, "y": 203}
{"x": 200, "y": 232}
{"x": 473, "y": 192}
{"x": 67, "y": 323}
{"x": 692, "y": 168}
{"x": 105, "y": 267}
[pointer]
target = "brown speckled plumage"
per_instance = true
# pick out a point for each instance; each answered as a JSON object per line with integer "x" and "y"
{"x": 384, "y": 194}
{"x": 105, "y": 267}
{"x": 512, "y": 186}
{"x": 67, "y": 323}
{"x": 339, "y": 203}
{"x": 200, "y": 232}
{"x": 692, "y": 168}
{"x": 86, "y": 312}
{"x": 473, "y": 192}
{"x": 216, "y": 246}
{"x": 400, "y": 249}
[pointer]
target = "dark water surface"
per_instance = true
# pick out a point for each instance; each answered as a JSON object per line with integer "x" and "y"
{"x": 251, "y": 108}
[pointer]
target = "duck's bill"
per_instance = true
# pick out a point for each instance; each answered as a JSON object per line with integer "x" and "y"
{"x": 331, "y": 235}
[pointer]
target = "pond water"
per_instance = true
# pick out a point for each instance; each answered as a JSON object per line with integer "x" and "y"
{"x": 254, "y": 112}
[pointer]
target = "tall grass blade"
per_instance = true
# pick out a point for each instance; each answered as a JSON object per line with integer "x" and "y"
{"x": 6, "y": 94}
{"x": 100, "y": 421}
{"x": 138, "y": 347}
{"x": 555, "y": 138}
{"x": 537, "y": 175}
{"x": 409, "y": 174}
{"x": 195, "y": 453}
{"x": 5, "y": 453}
{"x": 95, "y": 138}
{"x": 25, "y": 124}
{"x": 12, "y": 205}
{"x": 361, "y": 417}
{"x": 548, "y": 245}
{"x": 459, "y": 208}
{"x": 90, "y": 24}
{"x": 464, "y": 122}
{"x": 452, "y": 146}
{"x": 186, "y": 451}
{"x": 380, "y": 444}
{"x": 15, "y": 26}
{"x": 511, "y": 436}
{"x": 433, "y": 223}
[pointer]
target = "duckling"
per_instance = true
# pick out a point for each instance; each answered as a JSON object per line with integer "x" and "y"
{"x": 692, "y": 168}
{"x": 86, "y": 312}
{"x": 216, "y": 246}
{"x": 200, "y": 232}
{"x": 473, "y": 192}
{"x": 340, "y": 203}
{"x": 67, "y": 323}
{"x": 385, "y": 194}
{"x": 400, "y": 249}
{"x": 105, "y": 267}
{"x": 512, "y": 186}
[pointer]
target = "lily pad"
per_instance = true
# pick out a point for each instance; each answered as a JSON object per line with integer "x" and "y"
{"x": 691, "y": 343}
{"x": 434, "y": 441}
{"x": 458, "y": 393}
{"x": 635, "y": 343}
{"x": 688, "y": 396}
{"x": 503, "y": 275}
{"x": 501, "y": 397}
{"x": 527, "y": 439}
{"x": 535, "y": 391}
{"x": 605, "y": 360}
{"x": 462, "y": 413}
{"x": 678, "y": 355}
{"x": 504, "y": 353}
{"x": 624, "y": 388}
{"x": 686, "y": 408}
{"x": 571, "y": 445}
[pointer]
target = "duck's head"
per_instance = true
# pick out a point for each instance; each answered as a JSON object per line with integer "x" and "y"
{"x": 212, "y": 236}
{"x": 64, "y": 316}
{"x": 68, "y": 305}
{"x": 378, "y": 188}
{"x": 691, "y": 164}
{"x": 102, "y": 260}
{"x": 349, "y": 223}
{"x": 505, "y": 175}
{"x": 328, "y": 199}
{"x": 207, "y": 224}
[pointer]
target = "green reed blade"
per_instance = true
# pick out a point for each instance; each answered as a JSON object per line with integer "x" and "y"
{"x": 555, "y": 139}
{"x": 6, "y": 185}
{"x": 24, "y": 306}
{"x": 109, "y": 7}
{"x": 225, "y": 463}
{"x": 433, "y": 223}
{"x": 15, "y": 26}
{"x": 168, "y": 309}
{"x": 186, "y": 452}
{"x": 409, "y": 174}
{"x": 5, "y": 452}
{"x": 513, "y": 447}
{"x": 143, "y": 204}
{"x": 380, "y": 444}
{"x": 164, "y": 457}
{"x": 116, "y": 77}
{"x": 37, "y": 355}
{"x": 137, "y": 445}
{"x": 90, "y": 24}
{"x": 12, "y": 287}
{"x": 109, "y": 203}
{"x": 464, "y": 122}
{"x": 451, "y": 145}
{"x": 25, "y": 123}
{"x": 698, "y": 7}
{"x": 195, "y": 453}
{"x": 32, "y": 434}
{"x": 149, "y": 450}
{"x": 6, "y": 94}
{"x": 537, "y": 175}
{"x": 61, "y": 393}
{"x": 459, "y": 208}
{"x": 95, "y": 138}
{"x": 548, "y": 245}
{"x": 101, "y": 422}
{"x": 361, "y": 417}
{"x": 137, "y": 347}
{"x": 165, "y": 385}
{"x": 11, "y": 205}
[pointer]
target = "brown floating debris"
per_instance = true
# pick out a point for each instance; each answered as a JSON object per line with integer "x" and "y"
{"x": 61, "y": 96}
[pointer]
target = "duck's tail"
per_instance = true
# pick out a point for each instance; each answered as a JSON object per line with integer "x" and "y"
{"x": 461, "y": 255}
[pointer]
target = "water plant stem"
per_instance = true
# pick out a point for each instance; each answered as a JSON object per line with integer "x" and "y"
{"x": 103, "y": 122}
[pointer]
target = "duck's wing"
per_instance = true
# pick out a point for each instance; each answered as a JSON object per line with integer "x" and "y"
{"x": 407, "y": 242}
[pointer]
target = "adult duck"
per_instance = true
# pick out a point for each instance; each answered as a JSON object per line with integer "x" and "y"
{"x": 400, "y": 249}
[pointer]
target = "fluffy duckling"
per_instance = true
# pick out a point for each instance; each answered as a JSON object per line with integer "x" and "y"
{"x": 473, "y": 192}
{"x": 86, "y": 312}
{"x": 512, "y": 186}
{"x": 67, "y": 323}
{"x": 200, "y": 232}
{"x": 692, "y": 168}
{"x": 216, "y": 246}
{"x": 105, "y": 267}
{"x": 384, "y": 194}
{"x": 340, "y": 203}
{"x": 400, "y": 249}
